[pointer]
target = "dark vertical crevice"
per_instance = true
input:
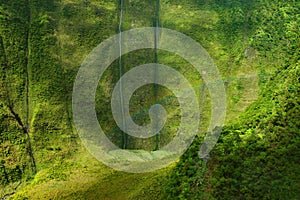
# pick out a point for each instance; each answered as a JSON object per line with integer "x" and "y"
{"x": 25, "y": 131}
{"x": 10, "y": 106}
{"x": 156, "y": 38}
{"x": 121, "y": 69}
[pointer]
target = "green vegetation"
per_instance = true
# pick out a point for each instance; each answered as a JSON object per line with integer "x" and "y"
{"x": 255, "y": 45}
{"x": 257, "y": 156}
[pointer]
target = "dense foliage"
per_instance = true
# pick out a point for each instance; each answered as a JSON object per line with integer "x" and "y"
{"x": 257, "y": 155}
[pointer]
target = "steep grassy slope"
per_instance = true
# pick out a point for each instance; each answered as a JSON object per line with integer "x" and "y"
{"x": 257, "y": 156}
{"x": 43, "y": 43}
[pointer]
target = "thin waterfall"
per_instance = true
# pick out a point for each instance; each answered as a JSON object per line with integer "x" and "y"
{"x": 156, "y": 38}
{"x": 124, "y": 138}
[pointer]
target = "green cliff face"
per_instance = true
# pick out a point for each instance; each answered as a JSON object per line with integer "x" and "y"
{"x": 255, "y": 45}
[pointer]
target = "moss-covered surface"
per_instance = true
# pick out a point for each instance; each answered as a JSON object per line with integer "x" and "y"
{"x": 44, "y": 42}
